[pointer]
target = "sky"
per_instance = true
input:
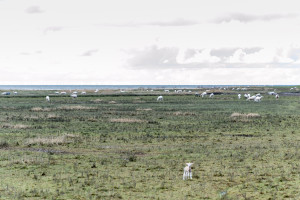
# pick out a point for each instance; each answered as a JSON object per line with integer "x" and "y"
{"x": 150, "y": 42}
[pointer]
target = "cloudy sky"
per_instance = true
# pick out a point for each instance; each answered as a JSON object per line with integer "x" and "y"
{"x": 149, "y": 42}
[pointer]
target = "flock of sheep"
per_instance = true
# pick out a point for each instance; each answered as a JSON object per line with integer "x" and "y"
{"x": 256, "y": 98}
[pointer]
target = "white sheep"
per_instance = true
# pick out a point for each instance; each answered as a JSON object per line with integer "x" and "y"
{"x": 239, "y": 96}
{"x": 211, "y": 95}
{"x": 203, "y": 94}
{"x": 277, "y": 96}
{"x": 251, "y": 98}
{"x": 257, "y": 99}
{"x": 160, "y": 98}
{"x": 246, "y": 96}
{"x": 73, "y": 96}
{"x": 48, "y": 98}
{"x": 187, "y": 171}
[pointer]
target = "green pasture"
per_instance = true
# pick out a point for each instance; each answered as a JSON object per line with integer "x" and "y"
{"x": 129, "y": 146}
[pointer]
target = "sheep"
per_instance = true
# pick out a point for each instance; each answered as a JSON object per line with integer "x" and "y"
{"x": 203, "y": 94}
{"x": 247, "y": 96}
{"x": 239, "y": 96}
{"x": 48, "y": 98}
{"x": 73, "y": 96}
{"x": 167, "y": 91}
{"x": 160, "y": 98}
{"x": 277, "y": 96}
{"x": 197, "y": 94}
{"x": 187, "y": 171}
{"x": 257, "y": 99}
{"x": 63, "y": 93}
{"x": 83, "y": 92}
{"x": 211, "y": 95}
{"x": 251, "y": 98}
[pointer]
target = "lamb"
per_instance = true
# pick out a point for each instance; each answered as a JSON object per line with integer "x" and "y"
{"x": 48, "y": 98}
{"x": 160, "y": 98}
{"x": 187, "y": 171}
{"x": 203, "y": 94}
{"x": 277, "y": 96}
{"x": 211, "y": 95}
{"x": 239, "y": 96}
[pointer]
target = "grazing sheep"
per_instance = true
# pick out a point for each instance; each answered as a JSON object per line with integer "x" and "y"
{"x": 211, "y": 95}
{"x": 83, "y": 92}
{"x": 257, "y": 99}
{"x": 187, "y": 171}
{"x": 239, "y": 96}
{"x": 73, "y": 96}
{"x": 258, "y": 95}
{"x": 48, "y": 98}
{"x": 251, "y": 98}
{"x": 277, "y": 96}
{"x": 160, "y": 98}
{"x": 197, "y": 94}
{"x": 203, "y": 94}
{"x": 167, "y": 90}
{"x": 247, "y": 96}
{"x": 272, "y": 93}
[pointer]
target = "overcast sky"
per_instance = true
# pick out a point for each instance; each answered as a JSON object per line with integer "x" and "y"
{"x": 149, "y": 42}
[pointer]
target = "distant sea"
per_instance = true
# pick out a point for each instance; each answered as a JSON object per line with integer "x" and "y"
{"x": 114, "y": 87}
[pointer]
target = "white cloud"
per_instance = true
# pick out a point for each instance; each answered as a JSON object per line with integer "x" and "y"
{"x": 246, "y": 18}
{"x": 34, "y": 10}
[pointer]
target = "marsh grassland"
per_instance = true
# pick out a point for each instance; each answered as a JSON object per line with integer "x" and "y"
{"x": 129, "y": 146}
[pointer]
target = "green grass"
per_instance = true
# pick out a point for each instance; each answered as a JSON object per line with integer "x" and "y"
{"x": 129, "y": 146}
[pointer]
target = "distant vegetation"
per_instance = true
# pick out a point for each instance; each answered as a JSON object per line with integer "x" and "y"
{"x": 113, "y": 145}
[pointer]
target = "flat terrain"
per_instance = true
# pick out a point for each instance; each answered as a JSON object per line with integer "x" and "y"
{"x": 126, "y": 145}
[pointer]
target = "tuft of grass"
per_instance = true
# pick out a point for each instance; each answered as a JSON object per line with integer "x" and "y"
{"x": 97, "y": 100}
{"x": 243, "y": 116}
{"x": 15, "y": 126}
{"x": 59, "y": 140}
{"x": 39, "y": 109}
{"x": 127, "y": 120}
{"x": 76, "y": 108}
{"x": 144, "y": 109}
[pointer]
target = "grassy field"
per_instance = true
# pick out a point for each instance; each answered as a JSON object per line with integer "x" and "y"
{"x": 115, "y": 145}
